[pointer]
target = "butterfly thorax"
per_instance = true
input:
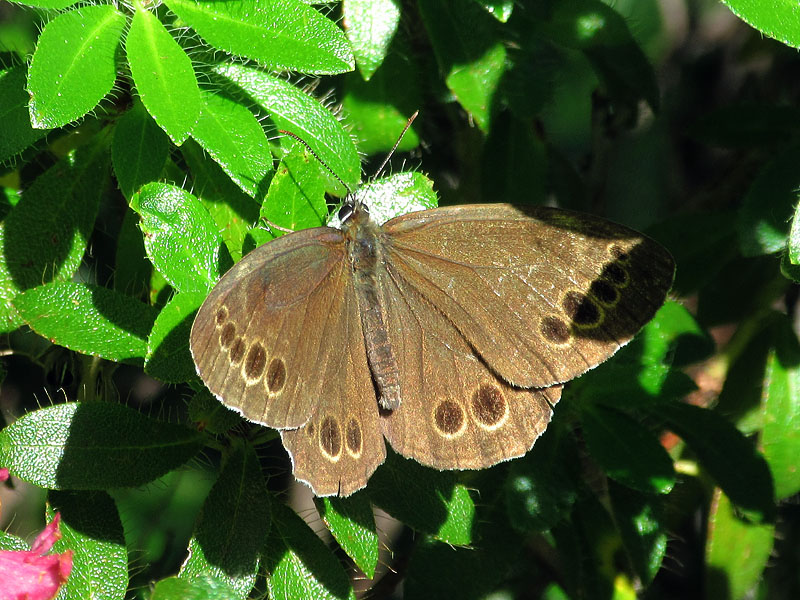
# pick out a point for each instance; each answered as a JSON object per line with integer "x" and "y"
{"x": 365, "y": 252}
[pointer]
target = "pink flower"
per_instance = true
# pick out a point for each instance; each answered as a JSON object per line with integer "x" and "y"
{"x": 32, "y": 574}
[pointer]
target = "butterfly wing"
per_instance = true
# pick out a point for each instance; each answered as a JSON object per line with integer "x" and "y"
{"x": 279, "y": 340}
{"x": 341, "y": 445}
{"x": 455, "y": 412}
{"x": 541, "y": 295}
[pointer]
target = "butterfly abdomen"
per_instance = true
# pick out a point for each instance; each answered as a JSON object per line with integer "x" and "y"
{"x": 364, "y": 252}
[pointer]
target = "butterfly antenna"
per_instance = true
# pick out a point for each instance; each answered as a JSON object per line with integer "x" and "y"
{"x": 322, "y": 162}
{"x": 396, "y": 144}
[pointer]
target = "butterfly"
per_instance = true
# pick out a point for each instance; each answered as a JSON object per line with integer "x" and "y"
{"x": 447, "y": 332}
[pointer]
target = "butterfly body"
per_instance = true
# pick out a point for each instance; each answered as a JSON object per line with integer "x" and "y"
{"x": 365, "y": 249}
{"x": 447, "y": 332}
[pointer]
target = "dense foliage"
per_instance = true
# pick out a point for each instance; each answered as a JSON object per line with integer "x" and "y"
{"x": 142, "y": 156}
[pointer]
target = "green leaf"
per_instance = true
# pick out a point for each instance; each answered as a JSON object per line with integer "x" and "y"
{"x": 163, "y": 75}
{"x": 296, "y": 197}
{"x": 726, "y": 454}
{"x": 88, "y": 319}
{"x": 234, "y": 522}
{"x": 168, "y": 358}
{"x": 778, "y": 19}
{"x": 91, "y": 528}
{"x": 499, "y": 9}
{"x": 233, "y": 211}
{"x": 54, "y": 4}
{"x": 602, "y": 34}
{"x": 175, "y": 588}
{"x": 641, "y": 526}
{"x": 780, "y": 436}
{"x": 512, "y": 148}
{"x": 298, "y": 564}
{"x": 210, "y": 414}
{"x": 468, "y": 51}
{"x": 45, "y": 235}
{"x": 736, "y": 551}
{"x": 293, "y": 110}
{"x": 674, "y": 332}
{"x": 74, "y": 65}
{"x": 139, "y": 150}
{"x": 393, "y": 196}
{"x": 17, "y": 131}
{"x": 352, "y": 524}
{"x": 180, "y": 237}
{"x": 234, "y": 139}
{"x": 93, "y": 446}
{"x": 542, "y": 485}
{"x": 379, "y": 108}
{"x": 12, "y": 543}
{"x": 282, "y": 35}
{"x": 793, "y": 243}
{"x": 764, "y": 219}
{"x": 788, "y": 269}
{"x": 370, "y": 26}
{"x": 428, "y": 500}
{"x": 626, "y": 451}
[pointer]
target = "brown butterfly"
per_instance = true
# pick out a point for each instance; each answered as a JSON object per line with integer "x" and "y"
{"x": 446, "y": 331}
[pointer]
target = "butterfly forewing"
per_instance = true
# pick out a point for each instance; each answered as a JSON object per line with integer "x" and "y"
{"x": 261, "y": 336}
{"x": 542, "y": 295}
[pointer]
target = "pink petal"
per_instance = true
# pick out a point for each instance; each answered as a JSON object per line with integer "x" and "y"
{"x": 28, "y": 576}
{"x": 49, "y": 536}
{"x": 32, "y": 574}
{"x": 3, "y": 475}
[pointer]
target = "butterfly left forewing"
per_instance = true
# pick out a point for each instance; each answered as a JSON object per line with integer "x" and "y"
{"x": 542, "y": 295}
{"x": 279, "y": 340}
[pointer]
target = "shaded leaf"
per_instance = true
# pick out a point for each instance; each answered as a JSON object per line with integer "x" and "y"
{"x": 298, "y": 564}
{"x": 93, "y": 446}
{"x": 428, "y": 500}
{"x": 168, "y": 357}
{"x": 352, "y": 524}
{"x": 139, "y": 150}
{"x": 89, "y": 319}
{"x": 232, "y": 527}
{"x": 736, "y": 551}
{"x": 91, "y": 528}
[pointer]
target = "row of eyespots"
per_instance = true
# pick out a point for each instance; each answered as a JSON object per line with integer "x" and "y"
{"x": 253, "y": 358}
{"x": 488, "y": 408}
{"x": 586, "y": 311}
{"x": 330, "y": 436}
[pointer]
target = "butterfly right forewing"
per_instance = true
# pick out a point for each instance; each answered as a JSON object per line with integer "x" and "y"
{"x": 542, "y": 295}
